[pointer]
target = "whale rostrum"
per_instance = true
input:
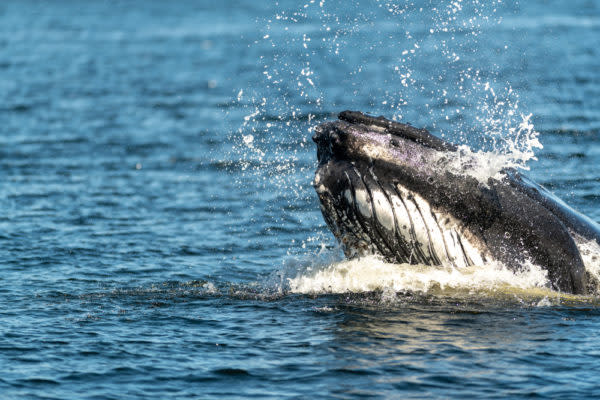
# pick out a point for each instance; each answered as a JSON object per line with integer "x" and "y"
{"x": 387, "y": 188}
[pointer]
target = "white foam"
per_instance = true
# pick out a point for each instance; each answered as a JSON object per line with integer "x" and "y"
{"x": 512, "y": 150}
{"x": 372, "y": 274}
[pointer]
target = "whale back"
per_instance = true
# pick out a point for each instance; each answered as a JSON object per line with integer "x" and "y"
{"x": 573, "y": 219}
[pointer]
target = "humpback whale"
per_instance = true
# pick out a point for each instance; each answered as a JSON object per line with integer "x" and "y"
{"x": 392, "y": 190}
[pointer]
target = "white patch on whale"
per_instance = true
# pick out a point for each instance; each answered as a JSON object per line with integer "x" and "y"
{"x": 383, "y": 210}
{"x": 436, "y": 236}
{"x": 403, "y": 224}
{"x": 348, "y": 196}
{"x": 362, "y": 202}
{"x": 474, "y": 251}
{"x": 418, "y": 225}
{"x": 319, "y": 187}
{"x": 438, "y": 232}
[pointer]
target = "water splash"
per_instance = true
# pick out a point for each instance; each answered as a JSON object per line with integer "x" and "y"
{"x": 423, "y": 65}
{"x": 372, "y": 274}
{"x": 513, "y": 152}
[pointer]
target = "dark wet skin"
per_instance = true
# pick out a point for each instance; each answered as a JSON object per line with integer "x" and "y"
{"x": 517, "y": 219}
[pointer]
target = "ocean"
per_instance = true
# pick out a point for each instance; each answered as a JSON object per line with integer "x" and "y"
{"x": 160, "y": 236}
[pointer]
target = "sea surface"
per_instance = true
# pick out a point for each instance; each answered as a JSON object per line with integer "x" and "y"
{"x": 160, "y": 237}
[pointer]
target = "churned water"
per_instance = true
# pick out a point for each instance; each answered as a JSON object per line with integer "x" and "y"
{"x": 159, "y": 236}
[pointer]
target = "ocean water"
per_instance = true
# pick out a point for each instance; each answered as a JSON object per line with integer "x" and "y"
{"x": 160, "y": 237}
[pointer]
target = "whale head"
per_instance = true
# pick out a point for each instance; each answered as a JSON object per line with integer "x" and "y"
{"x": 359, "y": 137}
{"x": 393, "y": 190}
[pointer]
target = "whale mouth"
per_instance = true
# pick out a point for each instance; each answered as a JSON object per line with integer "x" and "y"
{"x": 373, "y": 181}
{"x": 404, "y": 131}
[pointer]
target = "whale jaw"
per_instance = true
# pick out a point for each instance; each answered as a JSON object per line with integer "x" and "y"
{"x": 369, "y": 215}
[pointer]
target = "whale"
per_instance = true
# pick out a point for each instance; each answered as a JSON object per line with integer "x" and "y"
{"x": 393, "y": 190}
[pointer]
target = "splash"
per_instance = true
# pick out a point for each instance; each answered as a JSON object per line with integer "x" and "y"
{"x": 424, "y": 65}
{"x": 508, "y": 152}
{"x": 369, "y": 274}
{"x": 325, "y": 273}
{"x": 512, "y": 143}
{"x": 437, "y": 67}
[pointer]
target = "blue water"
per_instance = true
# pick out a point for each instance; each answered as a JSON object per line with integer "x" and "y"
{"x": 156, "y": 165}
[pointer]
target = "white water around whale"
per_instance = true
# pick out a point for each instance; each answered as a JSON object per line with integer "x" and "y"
{"x": 328, "y": 274}
{"x": 513, "y": 151}
{"x": 370, "y": 273}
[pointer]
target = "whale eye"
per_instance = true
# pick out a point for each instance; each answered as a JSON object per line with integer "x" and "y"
{"x": 430, "y": 180}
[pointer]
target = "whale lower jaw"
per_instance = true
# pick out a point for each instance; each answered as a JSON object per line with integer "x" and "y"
{"x": 370, "y": 216}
